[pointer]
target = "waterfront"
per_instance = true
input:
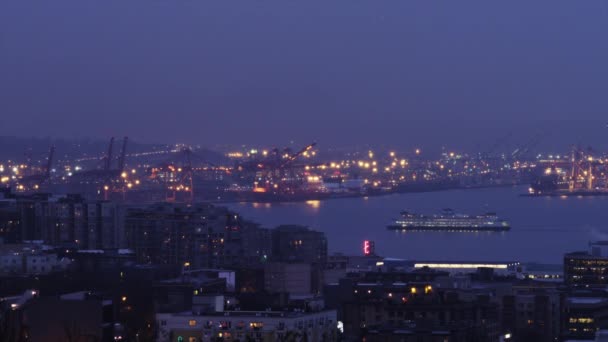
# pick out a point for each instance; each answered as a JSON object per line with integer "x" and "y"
{"x": 543, "y": 229}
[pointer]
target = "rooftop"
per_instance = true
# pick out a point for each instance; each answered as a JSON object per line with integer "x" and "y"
{"x": 584, "y": 255}
{"x": 258, "y": 314}
{"x": 587, "y": 300}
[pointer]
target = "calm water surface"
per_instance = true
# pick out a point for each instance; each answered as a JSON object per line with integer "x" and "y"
{"x": 543, "y": 229}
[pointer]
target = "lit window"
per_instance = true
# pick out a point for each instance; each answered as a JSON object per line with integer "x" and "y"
{"x": 192, "y": 322}
{"x": 256, "y": 325}
{"x": 584, "y": 320}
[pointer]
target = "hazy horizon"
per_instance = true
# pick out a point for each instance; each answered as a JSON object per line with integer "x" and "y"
{"x": 340, "y": 73}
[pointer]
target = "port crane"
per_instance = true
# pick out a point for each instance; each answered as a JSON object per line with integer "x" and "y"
{"x": 582, "y": 167}
{"x": 290, "y": 159}
{"x": 108, "y": 157}
{"x": 33, "y": 182}
{"x": 278, "y": 161}
{"x": 268, "y": 174}
{"x": 104, "y": 178}
{"x": 523, "y": 150}
{"x": 176, "y": 174}
{"x": 182, "y": 181}
{"x": 106, "y": 173}
{"x": 123, "y": 155}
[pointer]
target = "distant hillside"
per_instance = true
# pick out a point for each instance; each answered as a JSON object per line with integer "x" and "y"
{"x": 21, "y": 149}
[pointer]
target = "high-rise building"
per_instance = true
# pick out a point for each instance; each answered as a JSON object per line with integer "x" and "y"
{"x": 584, "y": 316}
{"x": 582, "y": 269}
{"x": 292, "y": 278}
{"x": 32, "y": 210}
{"x": 532, "y": 310}
{"x": 68, "y": 224}
{"x": 293, "y": 243}
{"x": 10, "y": 220}
{"x": 195, "y": 236}
{"x": 105, "y": 222}
{"x": 70, "y": 221}
{"x": 75, "y": 221}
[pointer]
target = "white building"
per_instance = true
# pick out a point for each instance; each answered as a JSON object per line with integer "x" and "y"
{"x": 41, "y": 263}
{"x": 244, "y": 325}
{"x": 28, "y": 260}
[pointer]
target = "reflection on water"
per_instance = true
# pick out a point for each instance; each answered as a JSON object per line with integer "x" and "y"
{"x": 314, "y": 203}
{"x": 543, "y": 229}
{"x": 257, "y": 205}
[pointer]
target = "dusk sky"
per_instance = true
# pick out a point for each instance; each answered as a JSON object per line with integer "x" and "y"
{"x": 397, "y": 72}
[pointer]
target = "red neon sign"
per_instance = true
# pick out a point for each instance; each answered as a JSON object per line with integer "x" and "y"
{"x": 366, "y": 247}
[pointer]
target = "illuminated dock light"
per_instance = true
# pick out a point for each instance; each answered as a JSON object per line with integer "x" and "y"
{"x": 460, "y": 266}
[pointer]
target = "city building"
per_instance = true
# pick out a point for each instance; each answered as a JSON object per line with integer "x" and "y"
{"x": 29, "y": 259}
{"x": 584, "y": 316}
{"x": 293, "y": 243}
{"x": 248, "y": 326}
{"x": 292, "y": 278}
{"x": 582, "y": 269}
{"x": 71, "y": 220}
{"x": 601, "y": 336}
{"x": 30, "y": 209}
{"x": 379, "y": 305}
{"x": 339, "y": 265}
{"x": 196, "y": 236}
{"x": 80, "y": 316}
{"x": 459, "y": 267}
{"x": 598, "y": 248}
{"x": 105, "y": 226}
{"x": 532, "y": 311}
{"x": 196, "y": 290}
{"x": 10, "y": 220}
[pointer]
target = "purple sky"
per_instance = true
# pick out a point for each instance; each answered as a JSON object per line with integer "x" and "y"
{"x": 339, "y": 72}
